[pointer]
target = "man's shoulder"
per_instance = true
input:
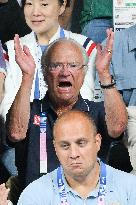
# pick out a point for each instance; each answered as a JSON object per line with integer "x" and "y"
{"x": 121, "y": 178}
{"x": 94, "y": 109}
{"x": 93, "y": 104}
{"x": 39, "y": 191}
{"x": 43, "y": 182}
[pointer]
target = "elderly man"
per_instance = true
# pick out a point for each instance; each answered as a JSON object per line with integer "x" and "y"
{"x": 64, "y": 67}
{"x": 82, "y": 178}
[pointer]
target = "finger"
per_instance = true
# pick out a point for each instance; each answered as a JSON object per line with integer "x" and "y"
{"x": 109, "y": 31}
{"x": 109, "y": 41}
{"x": 26, "y": 50}
{"x": 17, "y": 45}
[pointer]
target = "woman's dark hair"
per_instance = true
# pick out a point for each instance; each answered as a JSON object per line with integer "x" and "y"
{"x": 60, "y": 1}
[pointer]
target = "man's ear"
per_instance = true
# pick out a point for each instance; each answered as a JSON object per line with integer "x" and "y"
{"x": 63, "y": 7}
{"x": 98, "y": 141}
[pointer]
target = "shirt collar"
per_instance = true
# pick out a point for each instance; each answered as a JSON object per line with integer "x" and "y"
{"x": 81, "y": 104}
{"x": 93, "y": 193}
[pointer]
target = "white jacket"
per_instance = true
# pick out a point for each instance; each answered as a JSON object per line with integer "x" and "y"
{"x": 14, "y": 73}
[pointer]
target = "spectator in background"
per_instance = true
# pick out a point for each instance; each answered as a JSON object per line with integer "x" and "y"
{"x": 96, "y": 17}
{"x": 65, "y": 19}
{"x": 42, "y": 18}
{"x": 123, "y": 68}
{"x": 76, "y": 13}
{"x": 7, "y": 161}
{"x": 120, "y": 2}
{"x": 82, "y": 178}
{"x": 12, "y": 21}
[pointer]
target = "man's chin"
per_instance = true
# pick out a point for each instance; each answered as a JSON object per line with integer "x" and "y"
{"x": 64, "y": 98}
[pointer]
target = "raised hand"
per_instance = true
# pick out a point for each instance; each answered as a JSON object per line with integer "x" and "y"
{"x": 23, "y": 57}
{"x": 104, "y": 55}
{"x": 3, "y": 195}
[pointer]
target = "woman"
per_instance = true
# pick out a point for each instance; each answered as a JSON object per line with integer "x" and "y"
{"x": 42, "y": 17}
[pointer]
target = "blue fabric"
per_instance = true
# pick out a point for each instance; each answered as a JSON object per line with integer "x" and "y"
{"x": 120, "y": 189}
{"x": 36, "y": 91}
{"x": 129, "y": 97}
{"x": 123, "y": 65}
{"x": 8, "y": 160}
{"x": 96, "y": 29}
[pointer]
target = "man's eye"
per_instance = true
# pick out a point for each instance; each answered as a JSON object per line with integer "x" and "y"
{"x": 55, "y": 66}
{"x": 82, "y": 143}
{"x": 72, "y": 65}
{"x": 64, "y": 146}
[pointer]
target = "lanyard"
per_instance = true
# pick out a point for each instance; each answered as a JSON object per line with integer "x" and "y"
{"x": 43, "y": 119}
{"x": 102, "y": 188}
{"x": 43, "y": 149}
{"x": 61, "y": 187}
{"x": 38, "y": 80}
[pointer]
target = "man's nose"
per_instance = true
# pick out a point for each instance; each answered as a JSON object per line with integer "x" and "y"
{"x": 65, "y": 70}
{"x": 74, "y": 152}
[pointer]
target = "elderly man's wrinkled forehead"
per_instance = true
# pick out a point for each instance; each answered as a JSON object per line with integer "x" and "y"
{"x": 65, "y": 47}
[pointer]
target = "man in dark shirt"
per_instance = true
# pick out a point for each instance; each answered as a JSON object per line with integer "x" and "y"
{"x": 64, "y": 67}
